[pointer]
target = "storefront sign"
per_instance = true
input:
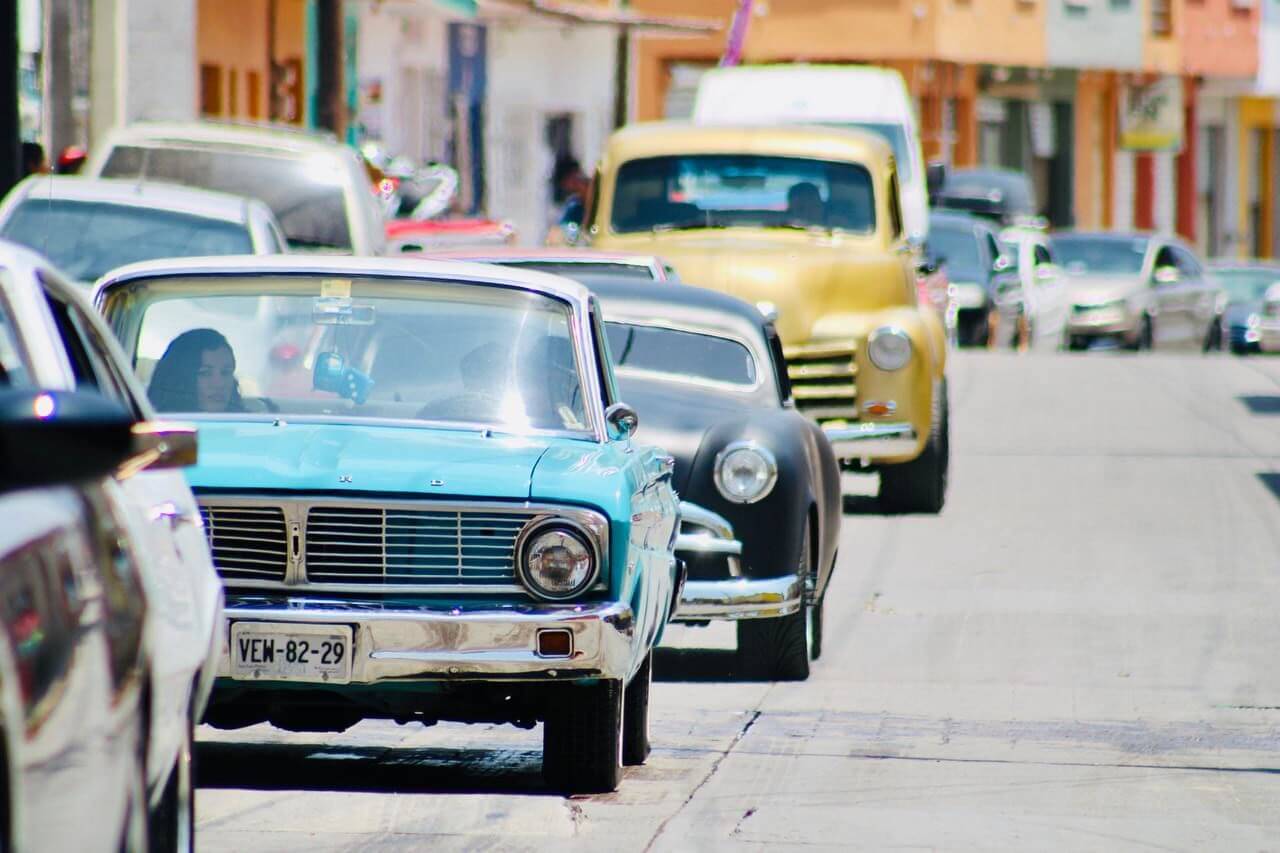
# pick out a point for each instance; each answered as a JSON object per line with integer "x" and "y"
{"x": 1152, "y": 119}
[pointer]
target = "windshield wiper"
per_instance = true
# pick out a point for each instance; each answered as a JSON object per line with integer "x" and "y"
{"x": 687, "y": 225}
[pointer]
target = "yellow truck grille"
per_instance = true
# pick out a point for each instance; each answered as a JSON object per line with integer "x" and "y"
{"x": 823, "y": 379}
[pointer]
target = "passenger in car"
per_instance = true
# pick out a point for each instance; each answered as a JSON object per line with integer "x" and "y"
{"x": 197, "y": 373}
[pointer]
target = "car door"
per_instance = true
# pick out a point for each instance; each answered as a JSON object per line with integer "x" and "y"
{"x": 1170, "y": 328}
{"x": 1050, "y": 294}
{"x": 1199, "y": 296}
{"x": 179, "y": 578}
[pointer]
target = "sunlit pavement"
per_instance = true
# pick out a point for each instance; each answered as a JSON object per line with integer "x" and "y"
{"x": 1079, "y": 653}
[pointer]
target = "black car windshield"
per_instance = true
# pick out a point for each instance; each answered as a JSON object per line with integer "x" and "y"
{"x": 305, "y": 194}
{"x": 354, "y": 350}
{"x": 1247, "y": 284}
{"x": 956, "y": 246}
{"x": 1100, "y": 253}
{"x": 86, "y": 239}
{"x": 684, "y": 355}
{"x": 727, "y": 190}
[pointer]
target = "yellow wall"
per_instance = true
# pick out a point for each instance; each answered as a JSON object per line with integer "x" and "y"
{"x": 1255, "y": 114}
{"x": 1003, "y": 32}
{"x": 1163, "y": 54}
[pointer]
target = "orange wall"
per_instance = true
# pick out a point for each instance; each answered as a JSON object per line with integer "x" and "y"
{"x": 1163, "y": 54}
{"x": 1005, "y": 32}
{"x": 1219, "y": 39}
{"x": 231, "y": 40}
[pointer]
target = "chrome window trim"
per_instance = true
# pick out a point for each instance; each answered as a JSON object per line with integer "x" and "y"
{"x": 295, "y": 509}
{"x": 620, "y": 317}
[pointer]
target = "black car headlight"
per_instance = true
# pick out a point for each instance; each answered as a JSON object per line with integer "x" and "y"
{"x": 557, "y": 559}
{"x": 745, "y": 472}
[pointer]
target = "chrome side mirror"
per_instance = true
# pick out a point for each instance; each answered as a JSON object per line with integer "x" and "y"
{"x": 1167, "y": 275}
{"x": 622, "y": 421}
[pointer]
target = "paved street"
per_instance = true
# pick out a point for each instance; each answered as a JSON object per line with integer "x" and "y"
{"x": 1079, "y": 653}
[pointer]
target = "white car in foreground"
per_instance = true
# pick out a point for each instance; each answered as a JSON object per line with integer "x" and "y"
{"x": 1044, "y": 303}
{"x": 69, "y": 347}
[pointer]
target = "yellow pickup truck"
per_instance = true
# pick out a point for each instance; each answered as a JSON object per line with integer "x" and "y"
{"x": 806, "y": 222}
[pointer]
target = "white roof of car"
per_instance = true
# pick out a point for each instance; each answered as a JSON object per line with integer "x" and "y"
{"x": 337, "y": 265}
{"x": 797, "y": 92}
{"x": 150, "y": 194}
{"x": 207, "y": 133}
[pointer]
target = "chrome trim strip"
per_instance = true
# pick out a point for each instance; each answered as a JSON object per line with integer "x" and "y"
{"x": 718, "y": 538}
{"x": 740, "y": 598}
{"x": 860, "y": 440}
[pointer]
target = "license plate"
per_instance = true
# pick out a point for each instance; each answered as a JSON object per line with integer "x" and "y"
{"x": 276, "y": 652}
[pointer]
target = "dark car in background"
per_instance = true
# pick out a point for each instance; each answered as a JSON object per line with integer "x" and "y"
{"x": 1003, "y": 195}
{"x": 759, "y": 482}
{"x": 1246, "y": 284}
{"x": 977, "y": 266}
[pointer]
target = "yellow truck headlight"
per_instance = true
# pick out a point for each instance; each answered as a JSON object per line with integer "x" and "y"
{"x": 889, "y": 348}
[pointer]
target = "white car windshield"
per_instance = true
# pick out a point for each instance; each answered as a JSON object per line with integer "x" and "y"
{"x": 310, "y": 347}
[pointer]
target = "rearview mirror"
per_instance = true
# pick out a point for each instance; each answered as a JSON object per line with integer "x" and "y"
{"x": 622, "y": 421}
{"x": 1002, "y": 263}
{"x": 162, "y": 444}
{"x": 60, "y": 437}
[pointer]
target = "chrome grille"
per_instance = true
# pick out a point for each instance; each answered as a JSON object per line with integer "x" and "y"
{"x": 361, "y": 544}
{"x": 247, "y": 542}
{"x": 823, "y": 379}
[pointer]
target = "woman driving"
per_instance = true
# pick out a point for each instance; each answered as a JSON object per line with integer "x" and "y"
{"x": 197, "y": 373}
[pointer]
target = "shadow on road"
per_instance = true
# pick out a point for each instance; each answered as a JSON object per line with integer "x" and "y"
{"x": 1262, "y": 404}
{"x": 378, "y": 770}
{"x": 1272, "y": 482}
{"x": 697, "y": 665}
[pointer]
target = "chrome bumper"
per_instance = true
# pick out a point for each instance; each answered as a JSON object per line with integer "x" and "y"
{"x": 734, "y": 597}
{"x": 395, "y": 643}
{"x": 740, "y": 598}
{"x": 869, "y": 440}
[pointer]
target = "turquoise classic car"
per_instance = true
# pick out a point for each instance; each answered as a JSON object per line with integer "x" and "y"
{"x": 422, "y": 495}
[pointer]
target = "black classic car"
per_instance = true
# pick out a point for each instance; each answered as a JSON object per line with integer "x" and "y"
{"x": 759, "y": 484}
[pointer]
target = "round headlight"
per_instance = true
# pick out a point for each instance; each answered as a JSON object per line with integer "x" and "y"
{"x": 889, "y": 348}
{"x": 556, "y": 560}
{"x": 745, "y": 472}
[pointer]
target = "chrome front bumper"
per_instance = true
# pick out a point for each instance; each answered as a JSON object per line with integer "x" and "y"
{"x": 869, "y": 440}
{"x": 735, "y": 597}
{"x": 406, "y": 643}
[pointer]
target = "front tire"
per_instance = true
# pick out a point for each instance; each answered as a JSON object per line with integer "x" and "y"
{"x": 1146, "y": 335}
{"x": 778, "y": 649}
{"x": 921, "y": 484}
{"x": 171, "y": 825}
{"x": 635, "y": 715}
{"x": 582, "y": 739}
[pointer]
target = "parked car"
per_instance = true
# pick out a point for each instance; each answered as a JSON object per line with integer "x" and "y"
{"x": 87, "y": 226}
{"x": 73, "y": 658}
{"x": 760, "y": 484}
{"x": 977, "y": 267}
{"x": 864, "y": 97}
{"x": 1034, "y": 311}
{"x": 1269, "y": 328}
{"x": 804, "y": 222}
{"x": 317, "y": 188}
{"x": 1004, "y": 196}
{"x": 447, "y": 518}
{"x": 413, "y": 236}
{"x": 571, "y": 263}
{"x": 68, "y": 347}
{"x": 1142, "y": 290}
{"x": 1246, "y": 284}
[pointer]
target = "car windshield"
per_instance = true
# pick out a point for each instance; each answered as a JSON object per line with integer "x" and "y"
{"x": 86, "y": 239}
{"x": 577, "y": 269}
{"x": 1247, "y": 284}
{"x": 342, "y": 349}
{"x": 894, "y": 134}
{"x": 957, "y": 247}
{"x": 727, "y": 190}
{"x": 987, "y": 191}
{"x": 681, "y": 354}
{"x": 1098, "y": 253}
{"x": 305, "y": 194}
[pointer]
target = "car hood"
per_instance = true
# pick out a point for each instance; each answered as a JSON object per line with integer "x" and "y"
{"x": 677, "y": 418}
{"x": 302, "y": 457}
{"x": 1098, "y": 289}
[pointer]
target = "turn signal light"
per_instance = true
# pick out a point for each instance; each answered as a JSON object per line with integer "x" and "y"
{"x": 879, "y": 409}
{"x": 555, "y": 643}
